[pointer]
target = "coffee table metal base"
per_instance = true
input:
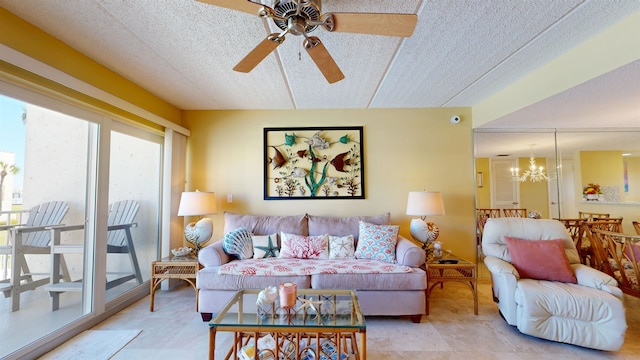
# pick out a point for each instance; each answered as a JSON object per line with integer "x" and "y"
{"x": 289, "y": 343}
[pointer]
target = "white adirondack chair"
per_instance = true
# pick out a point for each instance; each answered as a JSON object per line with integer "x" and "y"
{"x": 119, "y": 241}
{"x": 32, "y": 237}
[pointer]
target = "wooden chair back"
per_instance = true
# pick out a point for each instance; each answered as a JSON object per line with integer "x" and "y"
{"x": 576, "y": 230}
{"x": 43, "y": 215}
{"x": 636, "y": 225}
{"x": 608, "y": 224}
{"x": 618, "y": 255}
{"x": 120, "y": 213}
{"x": 488, "y": 212}
{"x": 481, "y": 218}
{"x": 522, "y": 213}
{"x": 590, "y": 216}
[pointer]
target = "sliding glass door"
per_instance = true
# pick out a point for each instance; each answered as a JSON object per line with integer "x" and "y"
{"x": 134, "y": 208}
{"x": 49, "y": 159}
{"x": 96, "y": 183}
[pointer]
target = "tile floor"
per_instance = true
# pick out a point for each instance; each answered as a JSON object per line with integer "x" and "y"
{"x": 175, "y": 331}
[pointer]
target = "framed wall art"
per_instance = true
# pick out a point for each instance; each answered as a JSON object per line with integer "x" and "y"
{"x": 313, "y": 163}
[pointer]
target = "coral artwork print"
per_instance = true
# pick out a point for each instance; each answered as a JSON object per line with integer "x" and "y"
{"x": 313, "y": 163}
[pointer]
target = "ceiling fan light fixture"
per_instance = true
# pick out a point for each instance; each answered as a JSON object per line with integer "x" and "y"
{"x": 305, "y": 15}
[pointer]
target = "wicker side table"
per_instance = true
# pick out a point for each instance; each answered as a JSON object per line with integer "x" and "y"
{"x": 463, "y": 271}
{"x": 174, "y": 267}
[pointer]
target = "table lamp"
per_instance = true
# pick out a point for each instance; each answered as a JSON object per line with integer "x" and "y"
{"x": 423, "y": 204}
{"x": 198, "y": 203}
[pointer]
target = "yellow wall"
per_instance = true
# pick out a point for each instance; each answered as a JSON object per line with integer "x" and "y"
{"x": 602, "y": 167}
{"x": 404, "y": 150}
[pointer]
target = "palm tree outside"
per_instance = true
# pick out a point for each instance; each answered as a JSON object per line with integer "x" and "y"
{"x": 5, "y": 169}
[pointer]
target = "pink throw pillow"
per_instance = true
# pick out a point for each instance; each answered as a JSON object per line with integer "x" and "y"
{"x": 304, "y": 247}
{"x": 541, "y": 259}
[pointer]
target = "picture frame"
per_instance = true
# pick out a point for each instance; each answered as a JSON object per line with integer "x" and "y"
{"x": 319, "y": 163}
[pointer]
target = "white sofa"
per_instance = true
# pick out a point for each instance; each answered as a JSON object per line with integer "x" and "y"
{"x": 589, "y": 313}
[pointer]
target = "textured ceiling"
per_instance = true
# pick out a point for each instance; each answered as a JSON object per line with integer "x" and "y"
{"x": 461, "y": 53}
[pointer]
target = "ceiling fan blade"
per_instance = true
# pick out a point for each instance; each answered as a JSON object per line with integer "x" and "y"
{"x": 376, "y": 24}
{"x": 240, "y": 5}
{"x": 259, "y": 53}
{"x": 323, "y": 59}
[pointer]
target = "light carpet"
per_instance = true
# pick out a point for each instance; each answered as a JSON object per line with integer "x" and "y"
{"x": 93, "y": 344}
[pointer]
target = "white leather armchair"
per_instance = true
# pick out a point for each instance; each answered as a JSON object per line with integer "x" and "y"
{"x": 589, "y": 313}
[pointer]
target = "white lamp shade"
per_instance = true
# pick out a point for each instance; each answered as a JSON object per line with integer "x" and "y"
{"x": 197, "y": 203}
{"x": 425, "y": 203}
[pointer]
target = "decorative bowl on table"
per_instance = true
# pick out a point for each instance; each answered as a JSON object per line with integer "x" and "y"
{"x": 182, "y": 251}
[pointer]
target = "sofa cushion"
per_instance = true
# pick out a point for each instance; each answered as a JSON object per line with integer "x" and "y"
{"x": 291, "y": 267}
{"x": 267, "y": 224}
{"x": 304, "y": 247}
{"x": 265, "y": 246}
{"x": 209, "y": 278}
{"x": 340, "y": 226}
{"x": 541, "y": 259}
{"x": 238, "y": 242}
{"x": 415, "y": 280}
{"x": 377, "y": 242}
{"x": 341, "y": 247}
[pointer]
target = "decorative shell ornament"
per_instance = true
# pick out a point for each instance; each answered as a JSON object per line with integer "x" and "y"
{"x": 181, "y": 251}
{"x": 199, "y": 233}
{"x": 534, "y": 214}
{"x": 424, "y": 231}
{"x": 267, "y": 296}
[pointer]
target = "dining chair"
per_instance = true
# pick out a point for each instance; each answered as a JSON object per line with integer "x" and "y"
{"x": 618, "y": 255}
{"x": 606, "y": 224}
{"x": 636, "y": 225}
{"x": 488, "y": 212}
{"x": 577, "y": 234}
{"x": 481, "y": 218}
{"x": 522, "y": 213}
{"x": 590, "y": 216}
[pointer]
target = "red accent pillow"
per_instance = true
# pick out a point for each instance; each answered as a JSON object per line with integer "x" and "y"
{"x": 541, "y": 259}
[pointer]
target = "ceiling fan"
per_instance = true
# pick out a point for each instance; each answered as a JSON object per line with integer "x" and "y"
{"x": 301, "y": 17}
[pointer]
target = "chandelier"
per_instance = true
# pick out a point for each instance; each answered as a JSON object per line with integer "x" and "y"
{"x": 533, "y": 174}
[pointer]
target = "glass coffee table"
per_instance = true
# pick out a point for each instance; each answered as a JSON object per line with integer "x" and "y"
{"x": 329, "y": 318}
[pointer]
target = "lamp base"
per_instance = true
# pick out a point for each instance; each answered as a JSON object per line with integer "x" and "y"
{"x": 423, "y": 231}
{"x": 199, "y": 233}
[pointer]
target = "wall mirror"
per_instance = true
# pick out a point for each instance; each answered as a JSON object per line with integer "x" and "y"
{"x": 571, "y": 159}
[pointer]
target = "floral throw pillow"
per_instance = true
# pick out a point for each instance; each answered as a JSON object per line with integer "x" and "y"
{"x": 377, "y": 242}
{"x": 304, "y": 247}
{"x": 341, "y": 247}
{"x": 265, "y": 246}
